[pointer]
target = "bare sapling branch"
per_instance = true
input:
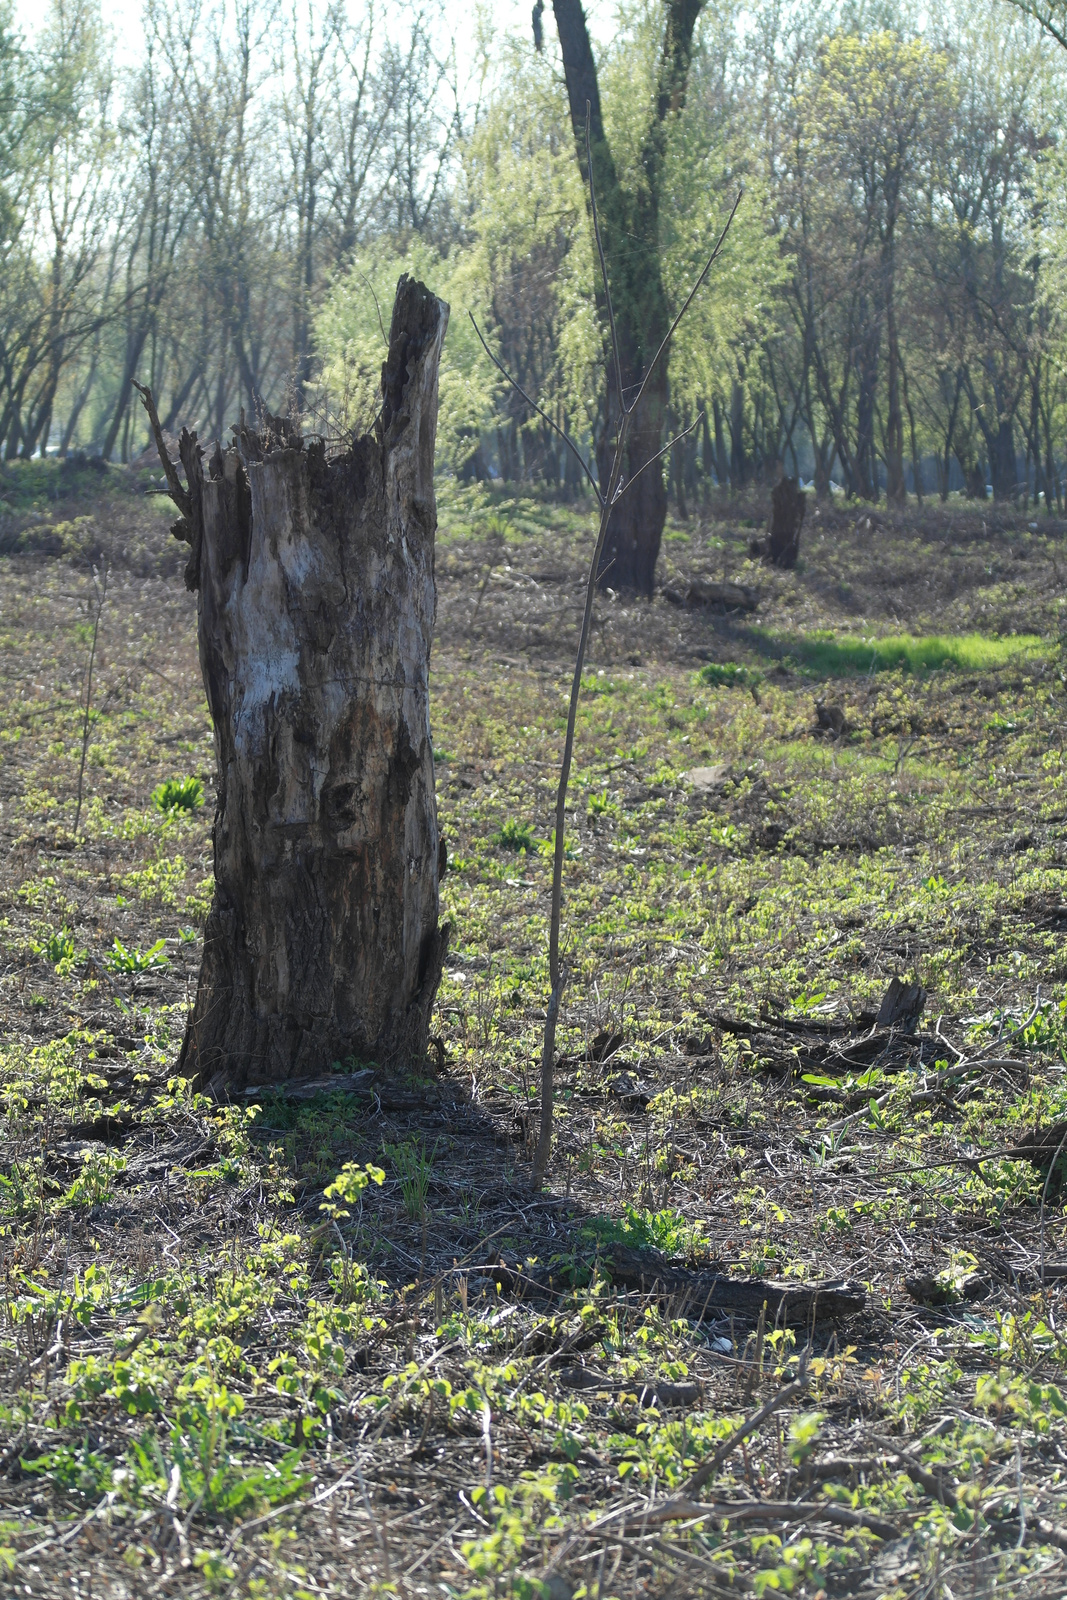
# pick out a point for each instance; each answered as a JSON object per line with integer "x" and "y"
{"x": 607, "y": 496}
{"x": 541, "y": 412}
{"x": 665, "y": 450}
{"x": 669, "y": 335}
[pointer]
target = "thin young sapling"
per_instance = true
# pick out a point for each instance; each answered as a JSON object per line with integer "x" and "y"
{"x": 606, "y": 497}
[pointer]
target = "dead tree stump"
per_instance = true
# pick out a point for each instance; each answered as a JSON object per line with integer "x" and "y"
{"x": 315, "y": 619}
{"x": 788, "y": 503}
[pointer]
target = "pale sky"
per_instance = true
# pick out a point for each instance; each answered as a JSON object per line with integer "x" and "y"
{"x": 124, "y": 16}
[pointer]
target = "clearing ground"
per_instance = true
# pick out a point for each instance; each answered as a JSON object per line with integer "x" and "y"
{"x": 221, "y": 1374}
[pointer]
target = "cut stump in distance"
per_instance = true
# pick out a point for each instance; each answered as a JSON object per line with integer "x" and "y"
{"x": 788, "y": 504}
{"x": 315, "y": 619}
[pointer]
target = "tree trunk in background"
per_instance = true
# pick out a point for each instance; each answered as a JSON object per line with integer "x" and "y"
{"x": 316, "y": 612}
{"x": 630, "y": 232}
{"x": 635, "y": 527}
{"x": 867, "y": 352}
{"x": 895, "y": 488}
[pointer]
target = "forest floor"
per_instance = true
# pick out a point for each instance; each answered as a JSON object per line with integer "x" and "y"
{"x": 220, "y": 1376}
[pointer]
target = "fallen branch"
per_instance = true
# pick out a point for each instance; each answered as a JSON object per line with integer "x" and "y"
{"x": 679, "y": 1510}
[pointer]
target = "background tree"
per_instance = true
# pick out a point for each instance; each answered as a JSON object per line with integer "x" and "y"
{"x": 631, "y": 231}
{"x": 883, "y": 315}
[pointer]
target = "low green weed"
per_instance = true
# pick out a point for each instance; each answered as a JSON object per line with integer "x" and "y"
{"x": 414, "y": 1168}
{"x": 827, "y": 655}
{"x": 119, "y": 959}
{"x": 95, "y": 1183}
{"x": 666, "y": 1230}
{"x": 179, "y": 794}
{"x": 22, "y": 1188}
{"x": 58, "y": 949}
{"x": 599, "y": 805}
{"x": 516, "y": 836}
{"x": 728, "y": 674}
{"x": 84, "y": 1471}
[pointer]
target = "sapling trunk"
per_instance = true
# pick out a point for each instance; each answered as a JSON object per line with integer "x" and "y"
{"x": 100, "y": 590}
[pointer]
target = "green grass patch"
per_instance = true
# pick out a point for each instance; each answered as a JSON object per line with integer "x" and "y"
{"x": 824, "y": 654}
{"x": 728, "y": 674}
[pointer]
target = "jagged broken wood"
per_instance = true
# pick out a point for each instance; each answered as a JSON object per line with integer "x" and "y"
{"x": 316, "y": 606}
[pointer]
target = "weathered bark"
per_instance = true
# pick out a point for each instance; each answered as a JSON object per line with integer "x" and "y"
{"x": 316, "y": 612}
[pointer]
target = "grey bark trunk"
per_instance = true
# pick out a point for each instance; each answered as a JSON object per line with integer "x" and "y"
{"x": 316, "y": 613}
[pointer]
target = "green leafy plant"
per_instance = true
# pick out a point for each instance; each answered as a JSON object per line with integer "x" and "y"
{"x": 178, "y": 794}
{"x": 95, "y": 1183}
{"x": 804, "y": 1432}
{"x": 600, "y": 806}
{"x": 119, "y": 959}
{"x": 666, "y": 1230}
{"x": 728, "y": 674}
{"x": 515, "y": 836}
{"x": 58, "y": 949}
{"x": 346, "y": 1189}
{"x": 547, "y": 848}
{"x": 85, "y": 1471}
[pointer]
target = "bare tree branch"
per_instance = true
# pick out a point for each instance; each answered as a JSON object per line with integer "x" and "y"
{"x": 669, "y": 335}
{"x": 659, "y": 455}
{"x": 179, "y": 495}
{"x": 567, "y": 440}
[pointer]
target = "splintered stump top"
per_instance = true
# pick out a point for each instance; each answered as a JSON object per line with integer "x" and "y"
{"x": 316, "y": 613}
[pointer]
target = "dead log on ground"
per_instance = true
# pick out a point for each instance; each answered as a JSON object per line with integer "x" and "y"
{"x": 707, "y": 1292}
{"x": 705, "y": 594}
